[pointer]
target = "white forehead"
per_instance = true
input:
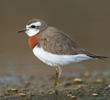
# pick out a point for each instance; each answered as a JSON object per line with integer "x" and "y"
{"x": 35, "y": 23}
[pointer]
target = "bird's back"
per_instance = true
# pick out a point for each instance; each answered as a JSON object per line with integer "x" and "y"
{"x": 57, "y": 42}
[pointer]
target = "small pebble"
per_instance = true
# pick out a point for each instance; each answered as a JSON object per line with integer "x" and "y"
{"x": 20, "y": 95}
{"x": 71, "y": 96}
{"x": 109, "y": 86}
{"x": 94, "y": 94}
{"x": 12, "y": 90}
{"x": 99, "y": 80}
{"x": 68, "y": 95}
{"x": 77, "y": 80}
{"x": 80, "y": 86}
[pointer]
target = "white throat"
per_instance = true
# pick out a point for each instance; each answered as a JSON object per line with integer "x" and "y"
{"x": 32, "y": 32}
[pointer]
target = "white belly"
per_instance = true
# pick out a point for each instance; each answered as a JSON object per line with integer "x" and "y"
{"x": 57, "y": 60}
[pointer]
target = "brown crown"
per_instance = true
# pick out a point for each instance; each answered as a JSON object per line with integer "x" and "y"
{"x": 43, "y": 24}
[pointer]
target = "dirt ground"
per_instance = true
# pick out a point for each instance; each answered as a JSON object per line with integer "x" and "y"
{"x": 80, "y": 86}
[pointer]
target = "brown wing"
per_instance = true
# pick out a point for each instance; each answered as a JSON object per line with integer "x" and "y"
{"x": 57, "y": 42}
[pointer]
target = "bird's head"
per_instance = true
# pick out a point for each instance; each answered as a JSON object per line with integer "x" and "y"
{"x": 34, "y": 27}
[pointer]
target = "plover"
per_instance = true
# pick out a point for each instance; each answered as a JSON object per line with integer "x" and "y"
{"x": 54, "y": 47}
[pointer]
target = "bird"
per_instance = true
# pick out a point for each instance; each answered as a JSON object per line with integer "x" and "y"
{"x": 54, "y": 47}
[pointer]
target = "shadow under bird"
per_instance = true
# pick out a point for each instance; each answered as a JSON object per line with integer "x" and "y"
{"x": 54, "y": 47}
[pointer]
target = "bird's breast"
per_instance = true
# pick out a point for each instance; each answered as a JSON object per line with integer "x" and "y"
{"x": 33, "y": 41}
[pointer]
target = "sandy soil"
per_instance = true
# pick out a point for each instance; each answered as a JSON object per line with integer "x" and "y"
{"x": 80, "y": 86}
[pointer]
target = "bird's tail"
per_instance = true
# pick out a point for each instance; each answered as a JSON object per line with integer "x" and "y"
{"x": 93, "y": 55}
{"x": 99, "y": 57}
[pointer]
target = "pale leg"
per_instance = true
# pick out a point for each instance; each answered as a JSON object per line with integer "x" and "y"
{"x": 58, "y": 74}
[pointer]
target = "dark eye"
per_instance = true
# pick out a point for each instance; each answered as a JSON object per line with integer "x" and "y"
{"x": 33, "y": 26}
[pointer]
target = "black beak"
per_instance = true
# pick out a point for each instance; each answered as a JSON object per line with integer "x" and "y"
{"x": 22, "y": 31}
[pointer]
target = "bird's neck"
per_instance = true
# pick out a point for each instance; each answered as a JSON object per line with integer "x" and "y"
{"x": 33, "y": 40}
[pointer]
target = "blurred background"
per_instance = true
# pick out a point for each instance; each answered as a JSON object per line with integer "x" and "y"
{"x": 86, "y": 21}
